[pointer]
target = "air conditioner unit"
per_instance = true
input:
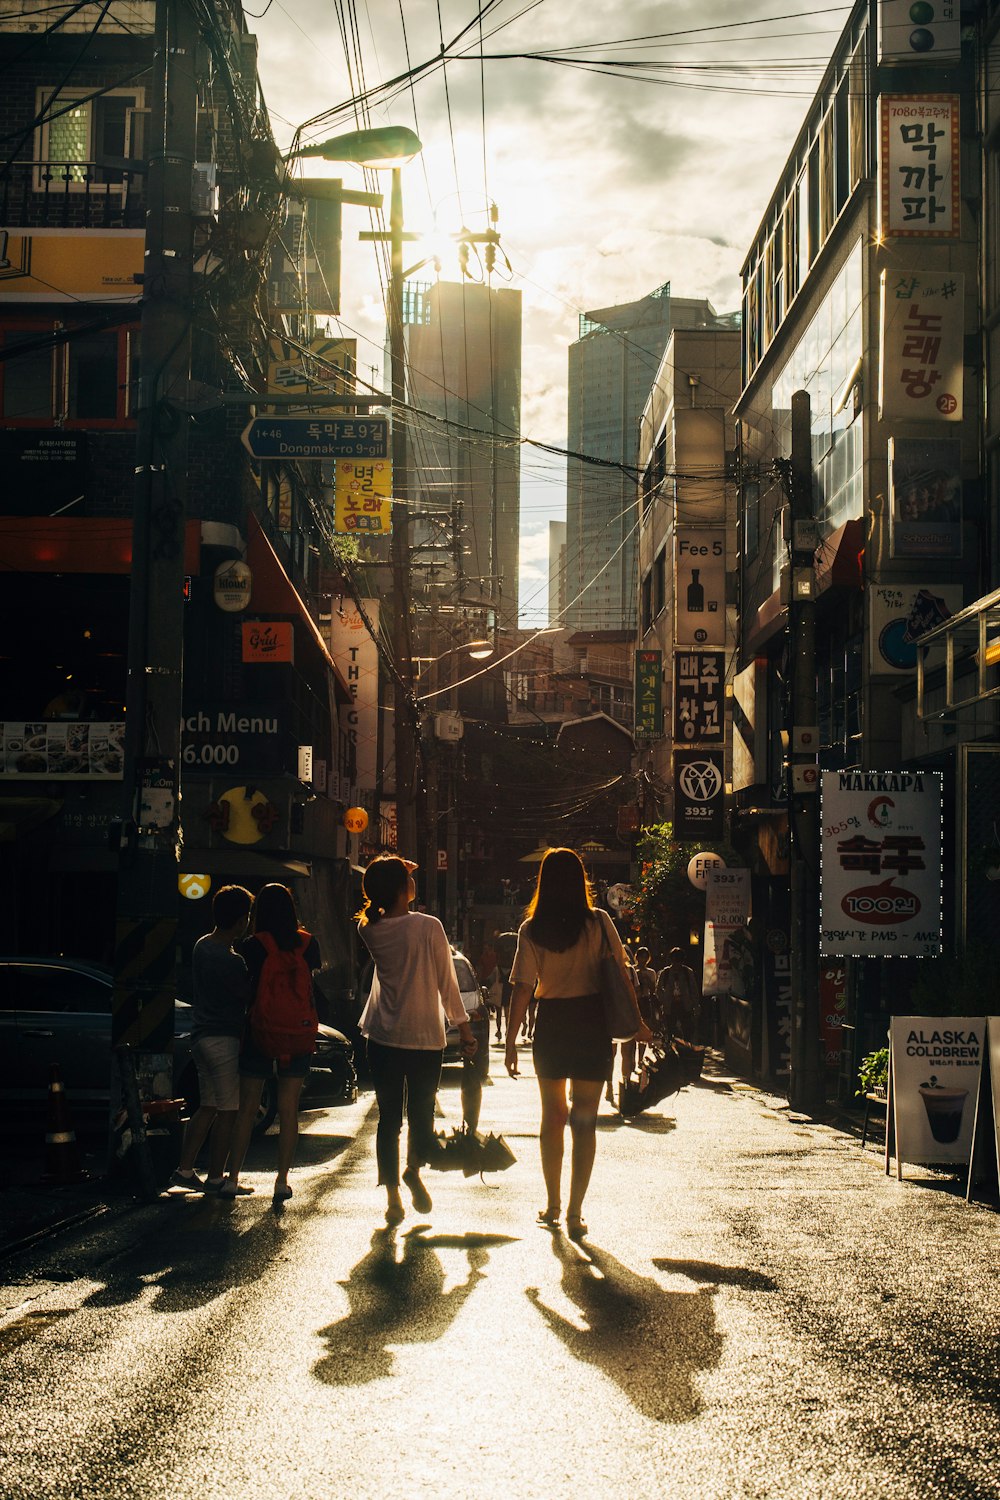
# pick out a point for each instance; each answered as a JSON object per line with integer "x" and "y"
{"x": 204, "y": 190}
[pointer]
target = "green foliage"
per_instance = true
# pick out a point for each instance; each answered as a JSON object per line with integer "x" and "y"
{"x": 961, "y": 984}
{"x": 873, "y": 1072}
{"x": 667, "y": 905}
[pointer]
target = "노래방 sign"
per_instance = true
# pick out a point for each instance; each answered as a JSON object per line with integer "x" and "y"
{"x": 934, "y": 1065}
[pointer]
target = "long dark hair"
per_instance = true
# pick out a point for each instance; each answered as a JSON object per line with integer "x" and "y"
{"x": 383, "y": 883}
{"x": 274, "y": 912}
{"x": 562, "y": 904}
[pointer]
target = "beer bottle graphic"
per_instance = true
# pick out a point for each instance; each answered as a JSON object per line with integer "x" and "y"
{"x": 695, "y": 594}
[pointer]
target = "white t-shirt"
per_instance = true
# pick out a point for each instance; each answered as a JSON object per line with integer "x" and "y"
{"x": 575, "y": 972}
{"x": 415, "y": 986}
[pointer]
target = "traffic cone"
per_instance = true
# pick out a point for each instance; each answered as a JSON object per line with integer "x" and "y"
{"x": 62, "y": 1155}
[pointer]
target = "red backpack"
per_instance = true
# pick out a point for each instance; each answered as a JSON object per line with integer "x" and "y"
{"x": 283, "y": 1019}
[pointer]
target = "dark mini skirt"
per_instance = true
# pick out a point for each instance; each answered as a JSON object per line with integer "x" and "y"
{"x": 571, "y": 1039}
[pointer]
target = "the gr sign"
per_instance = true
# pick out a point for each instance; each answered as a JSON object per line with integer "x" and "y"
{"x": 700, "y": 586}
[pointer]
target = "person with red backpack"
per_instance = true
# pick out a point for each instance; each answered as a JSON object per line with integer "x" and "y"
{"x": 282, "y": 1023}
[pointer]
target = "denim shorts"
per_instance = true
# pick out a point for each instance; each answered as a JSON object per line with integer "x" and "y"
{"x": 255, "y": 1064}
{"x": 216, "y": 1059}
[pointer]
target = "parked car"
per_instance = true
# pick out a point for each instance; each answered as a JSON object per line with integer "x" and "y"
{"x": 474, "y": 998}
{"x": 58, "y": 1010}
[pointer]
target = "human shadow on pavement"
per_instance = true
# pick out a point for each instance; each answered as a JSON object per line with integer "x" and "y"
{"x": 652, "y": 1343}
{"x": 712, "y": 1275}
{"x": 190, "y": 1264}
{"x": 398, "y": 1299}
{"x": 652, "y": 1124}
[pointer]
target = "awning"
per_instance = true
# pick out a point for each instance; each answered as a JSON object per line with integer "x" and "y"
{"x": 839, "y": 557}
{"x": 78, "y": 544}
{"x": 274, "y": 592}
{"x": 250, "y": 863}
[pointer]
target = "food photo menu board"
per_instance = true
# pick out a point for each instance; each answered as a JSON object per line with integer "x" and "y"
{"x": 56, "y": 750}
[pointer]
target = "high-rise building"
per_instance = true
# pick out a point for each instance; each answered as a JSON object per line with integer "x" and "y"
{"x": 612, "y": 367}
{"x": 463, "y": 344}
{"x": 557, "y": 571}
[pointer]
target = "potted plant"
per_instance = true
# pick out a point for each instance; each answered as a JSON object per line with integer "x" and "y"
{"x": 873, "y": 1074}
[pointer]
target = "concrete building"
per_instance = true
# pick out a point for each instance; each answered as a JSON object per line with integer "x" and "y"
{"x": 612, "y": 366}
{"x": 463, "y": 343}
{"x": 557, "y": 572}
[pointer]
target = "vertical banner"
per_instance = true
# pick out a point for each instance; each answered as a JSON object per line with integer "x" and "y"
{"x": 363, "y": 497}
{"x": 919, "y": 166}
{"x": 934, "y": 1068}
{"x": 832, "y": 1012}
{"x": 728, "y": 962}
{"x": 925, "y": 487}
{"x": 356, "y": 654}
{"x": 881, "y": 888}
{"x": 700, "y": 586}
{"x": 922, "y": 356}
{"x": 777, "y": 988}
{"x": 648, "y": 694}
{"x": 699, "y": 794}
{"x": 699, "y": 685}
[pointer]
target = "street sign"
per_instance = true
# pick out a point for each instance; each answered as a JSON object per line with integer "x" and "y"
{"x": 317, "y": 437}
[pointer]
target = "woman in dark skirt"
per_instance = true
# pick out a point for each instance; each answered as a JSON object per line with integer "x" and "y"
{"x": 559, "y": 950}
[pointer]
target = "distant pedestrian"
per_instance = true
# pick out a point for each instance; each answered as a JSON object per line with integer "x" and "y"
{"x": 281, "y": 958}
{"x": 220, "y": 993}
{"x": 645, "y": 977}
{"x": 677, "y": 997}
{"x": 414, "y": 991}
{"x": 559, "y": 950}
{"x": 505, "y": 944}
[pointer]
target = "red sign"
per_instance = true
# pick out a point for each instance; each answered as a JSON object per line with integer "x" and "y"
{"x": 268, "y": 641}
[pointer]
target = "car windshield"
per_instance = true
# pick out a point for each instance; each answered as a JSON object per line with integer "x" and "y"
{"x": 466, "y": 977}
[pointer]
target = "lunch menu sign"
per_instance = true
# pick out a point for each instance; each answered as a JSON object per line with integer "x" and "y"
{"x": 55, "y": 750}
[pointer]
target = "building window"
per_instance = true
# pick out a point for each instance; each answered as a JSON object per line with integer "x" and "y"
{"x": 27, "y": 393}
{"x": 660, "y": 582}
{"x": 647, "y": 603}
{"x": 113, "y": 125}
{"x": 85, "y": 381}
{"x": 92, "y": 377}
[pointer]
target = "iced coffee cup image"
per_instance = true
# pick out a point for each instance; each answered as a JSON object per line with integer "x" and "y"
{"x": 944, "y": 1108}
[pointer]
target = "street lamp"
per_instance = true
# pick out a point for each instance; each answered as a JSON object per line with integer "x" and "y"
{"x": 391, "y": 147}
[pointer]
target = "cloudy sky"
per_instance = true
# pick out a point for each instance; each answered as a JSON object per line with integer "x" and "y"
{"x": 646, "y": 154}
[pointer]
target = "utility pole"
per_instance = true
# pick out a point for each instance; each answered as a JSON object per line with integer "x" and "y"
{"x": 806, "y": 1083}
{"x": 142, "y": 1026}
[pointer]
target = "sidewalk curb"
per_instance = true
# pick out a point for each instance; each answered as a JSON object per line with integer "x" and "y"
{"x": 49, "y": 1231}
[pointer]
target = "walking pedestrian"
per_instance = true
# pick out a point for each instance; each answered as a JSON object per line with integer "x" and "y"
{"x": 559, "y": 950}
{"x": 281, "y": 958}
{"x": 414, "y": 991}
{"x": 677, "y": 996}
{"x": 505, "y": 944}
{"x": 645, "y": 977}
{"x": 220, "y": 994}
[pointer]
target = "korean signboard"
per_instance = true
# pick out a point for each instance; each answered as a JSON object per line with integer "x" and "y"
{"x": 900, "y": 614}
{"x": 649, "y": 693}
{"x": 700, "y": 591}
{"x": 925, "y": 486}
{"x": 356, "y": 654}
{"x": 934, "y": 1070}
{"x": 363, "y": 497}
{"x": 56, "y": 266}
{"x": 922, "y": 354}
{"x": 919, "y": 166}
{"x": 728, "y": 962}
{"x": 61, "y": 751}
{"x": 880, "y": 854}
{"x": 913, "y": 31}
{"x": 699, "y": 686}
{"x": 329, "y": 365}
{"x": 268, "y": 641}
{"x": 699, "y": 794}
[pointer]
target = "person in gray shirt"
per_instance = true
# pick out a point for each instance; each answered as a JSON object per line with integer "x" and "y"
{"x": 221, "y": 994}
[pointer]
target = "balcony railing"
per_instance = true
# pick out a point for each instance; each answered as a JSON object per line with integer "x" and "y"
{"x": 71, "y": 195}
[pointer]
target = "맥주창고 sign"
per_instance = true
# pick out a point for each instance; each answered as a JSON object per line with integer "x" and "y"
{"x": 934, "y": 1067}
{"x": 699, "y": 687}
{"x": 880, "y": 864}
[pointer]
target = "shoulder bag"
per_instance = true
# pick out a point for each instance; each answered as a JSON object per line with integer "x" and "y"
{"x": 621, "y": 1009}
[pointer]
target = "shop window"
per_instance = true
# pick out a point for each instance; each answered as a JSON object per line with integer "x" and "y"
{"x": 82, "y": 381}
{"x": 26, "y": 380}
{"x": 92, "y": 377}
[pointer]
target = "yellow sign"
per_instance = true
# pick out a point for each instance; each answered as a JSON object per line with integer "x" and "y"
{"x": 329, "y": 366}
{"x": 355, "y": 820}
{"x": 194, "y": 886}
{"x": 57, "y": 265}
{"x": 363, "y": 497}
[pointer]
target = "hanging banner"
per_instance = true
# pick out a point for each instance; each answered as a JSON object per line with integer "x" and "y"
{"x": 832, "y": 1012}
{"x": 363, "y": 497}
{"x": 919, "y": 166}
{"x": 648, "y": 694}
{"x": 934, "y": 1068}
{"x": 728, "y": 962}
{"x": 921, "y": 362}
{"x": 356, "y": 654}
{"x": 777, "y": 988}
{"x": 881, "y": 882}
{"x": 699, "y": 686}
{"x": 925, "y": 488}
{"x": 899, "y": 614}
{"x": 699, "y": 794}
{"x": 914, "y": 31}
{"x": 700, "y": 586}
{"x": 984, "y": 1158}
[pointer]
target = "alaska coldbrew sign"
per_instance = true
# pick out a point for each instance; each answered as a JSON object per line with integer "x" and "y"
{"x": 880, "y": 875}
{"x": 253, "y": 738}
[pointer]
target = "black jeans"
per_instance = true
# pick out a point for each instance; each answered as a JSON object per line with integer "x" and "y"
{"x": 403, "y": 1077}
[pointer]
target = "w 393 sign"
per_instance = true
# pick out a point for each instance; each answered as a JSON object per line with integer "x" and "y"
{"x": 699, "y": 794}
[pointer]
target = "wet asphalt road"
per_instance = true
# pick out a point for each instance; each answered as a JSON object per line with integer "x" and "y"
{"x": 758, "y": 1312}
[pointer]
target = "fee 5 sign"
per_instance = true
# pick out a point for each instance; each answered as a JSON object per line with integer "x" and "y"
{"x": 880, "y": 864}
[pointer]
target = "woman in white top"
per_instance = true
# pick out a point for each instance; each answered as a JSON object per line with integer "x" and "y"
{"x": 559, "y": 950}
{"x": 414, "y": 989}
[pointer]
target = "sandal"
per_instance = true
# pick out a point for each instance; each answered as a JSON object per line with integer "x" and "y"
{"x": 549, "y": 1217}
{"x": 576, "y": 1226}
{"x": 237, "y": 1190}
{"x": 281, "y": 1195}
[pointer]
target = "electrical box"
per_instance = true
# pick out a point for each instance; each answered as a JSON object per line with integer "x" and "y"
{"x": 204, "y": 190}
